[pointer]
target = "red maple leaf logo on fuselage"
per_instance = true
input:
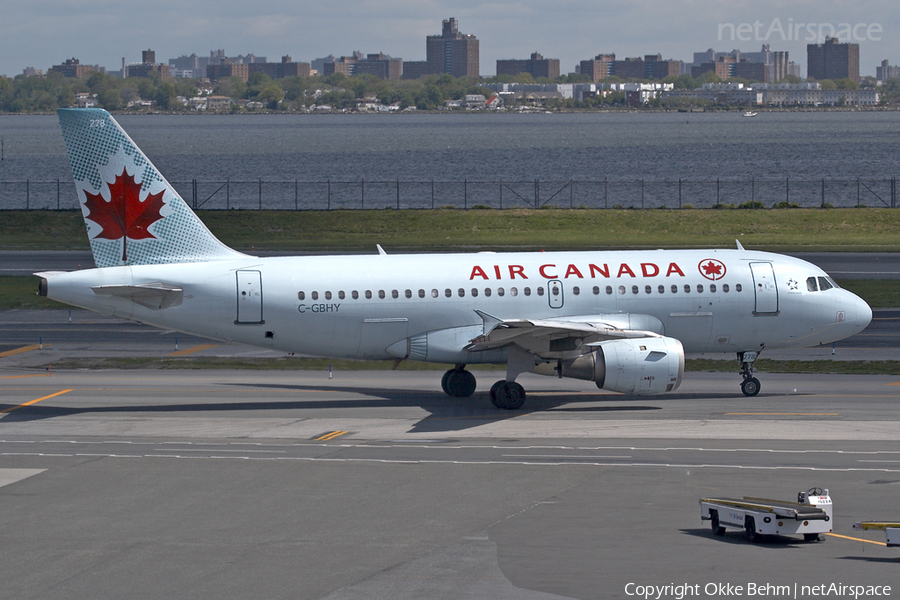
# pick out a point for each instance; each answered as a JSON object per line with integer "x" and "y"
{"x": 712, "y": 269}
{"x": 125, "y": 215}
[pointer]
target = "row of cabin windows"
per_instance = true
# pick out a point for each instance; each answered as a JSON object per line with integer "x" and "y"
{"x": 513, "y": 291}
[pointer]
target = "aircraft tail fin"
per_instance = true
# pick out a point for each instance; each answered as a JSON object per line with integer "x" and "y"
{"x": 133, "y": 215}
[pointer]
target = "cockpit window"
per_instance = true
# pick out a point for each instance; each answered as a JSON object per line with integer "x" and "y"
{"x": 824, "y": 285}
{"x": 811, "y": 284}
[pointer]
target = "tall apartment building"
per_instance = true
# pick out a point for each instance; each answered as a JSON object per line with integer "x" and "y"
{"x": 537, "y": 66}
{"x": 147, "y": 65}
{"x": 286, "y": 68}
{"x": 227, "y": 69}
{"x": 344, "y": 64}
{"x": 657, "y": 68}
{"x": 452, "y": 52}
{"x": 600, "y": 67}
{"x": 381, "y": 66}
{"x": 832, "y": 60}
{"x": 778, "y": 62}
{"x": 886, "y": 71}
{"x": 71, "y": 68}
{"x": 651, "y": 66}
{"x": 414, "y": 69}
{"x": 728, "y": 66}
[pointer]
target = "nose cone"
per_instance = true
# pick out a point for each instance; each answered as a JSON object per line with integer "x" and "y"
{"x": 862, "y": 314}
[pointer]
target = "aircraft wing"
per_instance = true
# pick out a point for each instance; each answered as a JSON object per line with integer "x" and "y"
{"x": 551, "y": 338}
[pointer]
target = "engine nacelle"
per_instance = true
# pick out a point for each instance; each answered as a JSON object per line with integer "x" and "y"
{"x": 643, "y": 366}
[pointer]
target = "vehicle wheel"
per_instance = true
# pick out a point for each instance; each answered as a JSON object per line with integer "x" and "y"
{"x": 714, "y": 521}
{"x": 510, "y": 395}
{"x": 750, "y": 530}
{"x": 444, "y": 380}
{"x": 810, "y": 537}
{"x": 461, "y": 383}
{"x": 750, "y": 387}
{"x": 494, "y": 389}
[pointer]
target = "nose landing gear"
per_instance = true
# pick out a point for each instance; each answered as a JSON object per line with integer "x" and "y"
{"x": 750, "y": 386}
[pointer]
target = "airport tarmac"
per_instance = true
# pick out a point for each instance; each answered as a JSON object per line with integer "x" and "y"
{"x": 375, "y": 485}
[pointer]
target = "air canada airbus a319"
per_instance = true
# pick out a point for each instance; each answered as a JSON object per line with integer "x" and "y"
{"x": 623, "y": 320}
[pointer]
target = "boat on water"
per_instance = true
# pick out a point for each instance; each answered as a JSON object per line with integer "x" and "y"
{"x": 750, "y": 113}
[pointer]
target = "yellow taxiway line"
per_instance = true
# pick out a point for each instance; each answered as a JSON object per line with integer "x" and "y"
{"x": 855, "y": 539}
{"x": 330, "y": 436}
{"x": 30, "y": 402}
{"x": 20, "y": 350}
{"x": 188, "y": 351}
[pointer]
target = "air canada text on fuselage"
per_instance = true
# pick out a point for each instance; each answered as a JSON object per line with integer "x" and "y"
{"x": 577, "y": 271}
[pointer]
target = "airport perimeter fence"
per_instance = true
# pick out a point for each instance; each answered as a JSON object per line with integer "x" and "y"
{"x": 398, "y": 194}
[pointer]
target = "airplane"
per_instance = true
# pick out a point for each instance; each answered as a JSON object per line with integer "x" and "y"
{"x": 622, "y": 319}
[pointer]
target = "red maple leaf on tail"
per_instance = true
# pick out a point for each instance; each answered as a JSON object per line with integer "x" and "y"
{"x": 124, "y": 216}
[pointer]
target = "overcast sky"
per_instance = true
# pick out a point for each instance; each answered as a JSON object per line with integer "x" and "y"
{"x": 42, "y": 33}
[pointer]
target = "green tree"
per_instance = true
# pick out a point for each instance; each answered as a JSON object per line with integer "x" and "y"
{"x": 271, "y": 95}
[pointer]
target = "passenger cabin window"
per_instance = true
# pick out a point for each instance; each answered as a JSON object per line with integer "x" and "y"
{"x": 314, "y": 295}
{"x": 328, "y": 295}
{"x": 301, "y": 296}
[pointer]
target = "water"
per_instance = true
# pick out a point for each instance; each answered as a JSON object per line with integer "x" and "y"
{"x": 469, "y": 155}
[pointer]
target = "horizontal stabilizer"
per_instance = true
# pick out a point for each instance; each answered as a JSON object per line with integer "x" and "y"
{"x": 155, "y": 296}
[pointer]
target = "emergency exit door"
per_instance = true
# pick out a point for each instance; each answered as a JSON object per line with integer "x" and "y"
{"x": 555, "y": 293}
{"x": 249, "y": 298}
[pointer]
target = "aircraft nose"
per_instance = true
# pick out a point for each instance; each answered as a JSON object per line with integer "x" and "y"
{"x": 861, "y": 314}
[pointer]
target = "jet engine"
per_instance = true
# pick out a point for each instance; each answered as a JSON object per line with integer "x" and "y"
{"x": 643, "y": 366}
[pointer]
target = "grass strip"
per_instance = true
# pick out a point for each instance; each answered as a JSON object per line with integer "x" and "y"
{"x": 802, "y": 229}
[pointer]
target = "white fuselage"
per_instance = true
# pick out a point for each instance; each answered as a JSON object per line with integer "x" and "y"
{"x": 423, "y": 306}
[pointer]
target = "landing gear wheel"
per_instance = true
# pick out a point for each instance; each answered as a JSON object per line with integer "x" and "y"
{"x": 750, "y": 386}
{"x": 507, "y": 395}
{"x": 494, "y": 391}
{"x": 750, "y": 530}
{"x": 460, "y": 383}
{"x": 714, "y": 521}
{"x": 444, "y": 381}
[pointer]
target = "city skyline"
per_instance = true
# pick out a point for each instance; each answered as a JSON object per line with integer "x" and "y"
{"x": 572, "y": 31}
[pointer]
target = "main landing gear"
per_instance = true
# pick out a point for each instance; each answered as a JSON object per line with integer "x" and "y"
{"x": 750, "y": 386}
{"x": 460, "y": 383}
